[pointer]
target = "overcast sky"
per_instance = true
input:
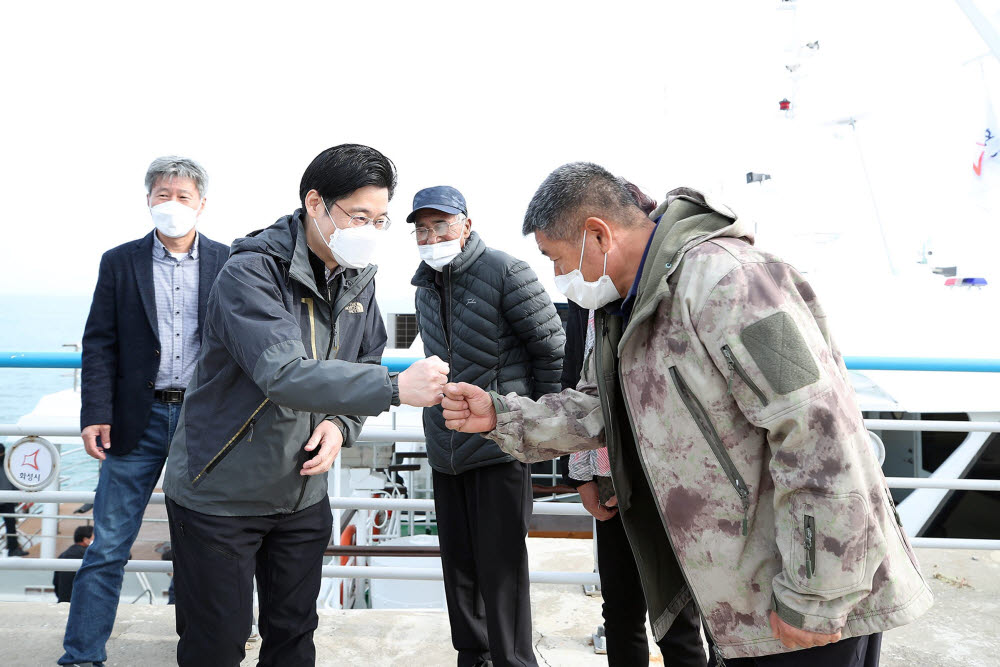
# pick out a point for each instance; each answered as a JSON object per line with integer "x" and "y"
{"x": 488, "y": 97}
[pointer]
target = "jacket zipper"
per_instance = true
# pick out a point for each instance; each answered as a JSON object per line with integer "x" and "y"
{"x": 247, "y": 427}
{"x": 447, "y": 305}
{"x": 892, "y": 504}
{"x": 333, "y": 323}
{"x": 714, "y": 441}
{"x": 734, "y": 365}
{"x": 609, "y": 427}
{"x": 642, "y": 463}
{"x": 809, "y": 527}
{"x": 329, "y": 349}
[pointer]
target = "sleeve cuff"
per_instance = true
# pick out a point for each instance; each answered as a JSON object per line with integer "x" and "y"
{"x": 394, "y": 381}
{"x": 342, "y": 427}
{"x": 499, "y": 404}
{"x": 807, "y": 622}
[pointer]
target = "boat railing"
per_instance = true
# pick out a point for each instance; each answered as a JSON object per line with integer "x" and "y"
{"x": 384, "y": 435}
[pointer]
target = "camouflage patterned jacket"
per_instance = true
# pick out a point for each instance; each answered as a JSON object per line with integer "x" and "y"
{"x": 751, "y": 454}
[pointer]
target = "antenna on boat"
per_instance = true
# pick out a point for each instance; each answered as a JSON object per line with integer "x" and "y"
{"x": 853, "y": 121}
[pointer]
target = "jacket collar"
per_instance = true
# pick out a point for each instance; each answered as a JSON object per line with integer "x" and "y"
{"x": 474, "y": 248}
{"x": 687, "y": 219}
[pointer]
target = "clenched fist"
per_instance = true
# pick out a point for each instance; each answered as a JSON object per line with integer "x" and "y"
{"x": 422, "y": 384}
{"x": 468, "y": 408}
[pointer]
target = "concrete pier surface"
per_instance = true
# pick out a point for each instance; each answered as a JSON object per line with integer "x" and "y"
{"x": 963, "y": 628}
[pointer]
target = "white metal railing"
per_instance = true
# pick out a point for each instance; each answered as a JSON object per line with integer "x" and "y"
{"x": 374, "y": 434}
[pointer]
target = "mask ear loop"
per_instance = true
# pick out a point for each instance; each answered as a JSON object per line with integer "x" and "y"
{"x": 334, "y": 222}
{"x": 605, "y": 264}
{"x": 320, "y": 231}
{"x": 582, "y": 248}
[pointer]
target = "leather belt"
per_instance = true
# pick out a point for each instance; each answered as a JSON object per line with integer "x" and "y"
{"x": 169, "y": 395}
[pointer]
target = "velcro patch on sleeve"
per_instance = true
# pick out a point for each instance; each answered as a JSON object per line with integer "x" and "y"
{"x": 781, "y": 353}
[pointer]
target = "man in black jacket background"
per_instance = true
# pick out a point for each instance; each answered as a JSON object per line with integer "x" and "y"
{"x": 140, "y": 343}
{"x": 486, "y": 314}
{"x": 63, "y": 581}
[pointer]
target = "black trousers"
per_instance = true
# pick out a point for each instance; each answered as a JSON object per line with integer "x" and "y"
{"x": 625, "y": 609}
{"x": 482, "y": 518}
{"x": 10, "y": 524}
{"x": 852, "y": 652}
{"x": 215, "y": 561}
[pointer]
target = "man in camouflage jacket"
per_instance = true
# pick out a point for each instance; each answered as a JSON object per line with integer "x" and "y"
{"x": 740, "y": 460}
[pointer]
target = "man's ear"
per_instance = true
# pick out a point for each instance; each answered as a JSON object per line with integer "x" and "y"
{"x": 601, "y": 232}
{"x": 468, "y": 228}
{"x": 314, "y": 204}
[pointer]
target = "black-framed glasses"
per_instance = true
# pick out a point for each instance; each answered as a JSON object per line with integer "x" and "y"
{"x": 358, "y": 220}
{"x": 440, "y": 229}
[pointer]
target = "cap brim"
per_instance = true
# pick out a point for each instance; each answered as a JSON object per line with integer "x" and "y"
{"x": 451, "y": 210}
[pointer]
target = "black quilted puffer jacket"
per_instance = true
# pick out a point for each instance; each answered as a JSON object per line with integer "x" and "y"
{"x": 503, "y": 334}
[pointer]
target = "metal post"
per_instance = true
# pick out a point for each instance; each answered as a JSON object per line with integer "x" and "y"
{"x": 335, "y": 585}
{"x": 50, "y": 524}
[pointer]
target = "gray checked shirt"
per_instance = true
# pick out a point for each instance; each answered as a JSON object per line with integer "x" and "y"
{"x": 176, "y": 283}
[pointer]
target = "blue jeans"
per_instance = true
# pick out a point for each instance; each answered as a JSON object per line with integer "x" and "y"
{"x": 123, "y": 490}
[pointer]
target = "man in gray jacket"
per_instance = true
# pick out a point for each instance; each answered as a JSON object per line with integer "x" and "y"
{"x": 487, "y": 314}
{"x": 289, "y": 366}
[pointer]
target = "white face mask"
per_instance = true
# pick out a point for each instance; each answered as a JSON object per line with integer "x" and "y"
{"x": 590, "y": 296}
{"x": 439, "y": 255}
{"x": 354, "y": 247}
{"x": 174, "y": 219}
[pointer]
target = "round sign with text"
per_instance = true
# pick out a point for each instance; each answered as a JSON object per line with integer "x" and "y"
{"x": 32, "y": 463}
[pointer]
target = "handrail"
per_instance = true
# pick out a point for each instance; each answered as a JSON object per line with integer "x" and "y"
{"x": 16, "y": 359}
{"x": 422, "y": 505}
{"x": 385, "y": 434}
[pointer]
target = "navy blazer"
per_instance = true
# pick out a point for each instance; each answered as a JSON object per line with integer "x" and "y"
{"x": 121, "y": 342}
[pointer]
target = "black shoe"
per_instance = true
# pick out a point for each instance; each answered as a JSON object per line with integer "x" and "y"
{"x": 16, "y": 551}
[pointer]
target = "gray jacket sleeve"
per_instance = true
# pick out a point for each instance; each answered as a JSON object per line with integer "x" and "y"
{"x": 372, "y": 345}
{"x": 534, "y": 319}
{"x": 266, "y": 341}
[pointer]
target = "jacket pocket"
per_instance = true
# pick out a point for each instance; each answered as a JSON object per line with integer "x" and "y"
{"x": 829, "y": 544}
{"x": 737, "y": 368}
{"x": 225, "y": 553}
{"x": 245, "y": 430}
{"x": 701, "y": 418}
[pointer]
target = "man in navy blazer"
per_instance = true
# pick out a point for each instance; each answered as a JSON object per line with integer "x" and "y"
{"x": 140, "y": 344}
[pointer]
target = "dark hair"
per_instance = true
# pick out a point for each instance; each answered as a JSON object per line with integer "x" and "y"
{"x": 82, "y": 532}
{"x": 337, "y": 172}
{"x": 642, "y": 200}
{"x": 576, "y": 189}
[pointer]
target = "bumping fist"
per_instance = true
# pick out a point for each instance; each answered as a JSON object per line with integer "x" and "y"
{"x": 468, "y": 408}
{"x": 422, "y": 384}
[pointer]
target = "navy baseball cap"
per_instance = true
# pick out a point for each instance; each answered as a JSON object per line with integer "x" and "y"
{"x": 440, "y": 198}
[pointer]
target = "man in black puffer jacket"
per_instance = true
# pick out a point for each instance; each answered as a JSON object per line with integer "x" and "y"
{"x": 486, "y": 314}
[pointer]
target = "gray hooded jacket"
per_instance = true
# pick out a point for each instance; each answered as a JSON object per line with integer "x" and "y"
{"x": 276, "y": 358}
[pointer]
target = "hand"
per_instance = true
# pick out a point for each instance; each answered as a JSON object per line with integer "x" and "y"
{"x": 330, "y": 440}
{"x": 468, "y": 409}
{"x": 793, "y": 637}
{"x": 90, "y": 434}
{"x": 421, "y": 385}
{"x": 589, "y": 498}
